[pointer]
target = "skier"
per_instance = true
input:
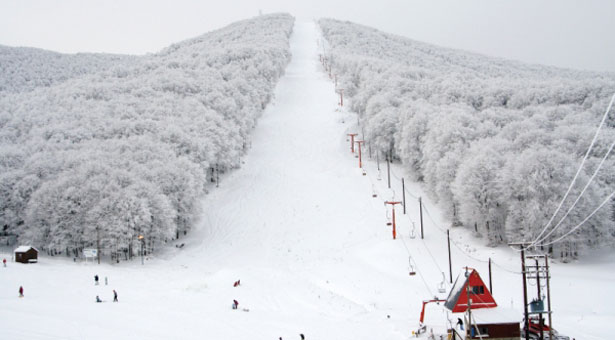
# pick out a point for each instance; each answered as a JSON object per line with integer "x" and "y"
{"x": 302, "y": 336}
{"x": 98, "y": 299}
{"x": 460, "y": 323}
{"x": 114, "y": 296}
{"x": 20, "y": 291}
{"x": 235, "y": 304}
{"x": 96, "y": 280}
{"x": 237, "y": 283}
{"x": 4, "y": 262}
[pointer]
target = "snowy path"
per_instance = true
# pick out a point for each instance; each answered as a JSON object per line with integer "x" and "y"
{"x": 298, "y": 225}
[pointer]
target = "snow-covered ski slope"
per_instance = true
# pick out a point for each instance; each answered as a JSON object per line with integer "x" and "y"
{"x": 298, "y": 225}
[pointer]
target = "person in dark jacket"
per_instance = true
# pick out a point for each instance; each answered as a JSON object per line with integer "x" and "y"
{"x": 114, "y": 296}
{"x": 96, "y": 280}
{"x": 20, "y": 291}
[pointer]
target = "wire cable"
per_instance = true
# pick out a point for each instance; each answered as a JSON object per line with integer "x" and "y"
{"x": 578, "y": 197}
{"x": 582, "y": 222}
{"x": 578, "y": 170}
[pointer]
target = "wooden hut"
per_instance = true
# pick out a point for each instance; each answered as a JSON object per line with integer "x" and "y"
{"x": 26, "y": 254}
{"x": 488, "y": 320}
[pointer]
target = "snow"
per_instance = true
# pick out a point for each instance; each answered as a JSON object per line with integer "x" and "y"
{"x": 22, "y": 249}
{"x": 496, "y": 315}
{"x": 298, "y": 225}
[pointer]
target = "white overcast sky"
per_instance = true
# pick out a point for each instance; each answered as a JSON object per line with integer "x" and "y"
{"x": 568, "y": 33}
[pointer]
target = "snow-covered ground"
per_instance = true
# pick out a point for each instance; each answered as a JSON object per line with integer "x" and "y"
{"x": 299, "y": 226}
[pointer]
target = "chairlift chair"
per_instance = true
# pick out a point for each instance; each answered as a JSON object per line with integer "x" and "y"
{"x": 412, "y": 233}
{"x": 411, "y": 271}
{"x": 441, "y": 285}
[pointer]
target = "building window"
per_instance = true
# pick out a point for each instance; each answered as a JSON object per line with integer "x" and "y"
{"x": 478, "y": 289}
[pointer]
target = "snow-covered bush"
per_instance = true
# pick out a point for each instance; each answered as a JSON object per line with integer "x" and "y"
{"x": 496, "y": 142}
{"x": 107, "y": 148}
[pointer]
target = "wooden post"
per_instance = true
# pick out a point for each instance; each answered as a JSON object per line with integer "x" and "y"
{"x": 341, "y": 97}
{"x": 450, "y": 267}
{"x": 525, "y": 312}
{"x": 403, "y": 193}
{"x": 490, "y": 287}
{"x": 389, "y": 171}
{"x": 549, "y": 296}
{"x": 421, "y": 214}
{"x": 540, "y": 320}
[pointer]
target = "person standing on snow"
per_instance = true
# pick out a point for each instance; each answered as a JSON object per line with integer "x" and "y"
{"x": 20, "y": 291}
{"x": 114, "y": 296}
{"x": 96, "y": 279}
{"x": 235, "y": 304}
{"x": 4, "y": 262}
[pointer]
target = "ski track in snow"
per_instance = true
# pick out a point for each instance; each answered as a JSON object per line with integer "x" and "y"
{"x": 298, "y": 225}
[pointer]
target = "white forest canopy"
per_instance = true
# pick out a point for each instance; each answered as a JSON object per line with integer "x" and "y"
{"x": 100, "y": 147}
{"x": 495, "y": 142}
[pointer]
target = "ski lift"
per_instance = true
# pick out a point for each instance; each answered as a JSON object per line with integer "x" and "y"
{"x": 374, "y": 194}
{"x": 412, "y": 233}
{"x": 379, "y": 177}
{"x": 389, "y": 223}
{"x": 364, "y": 173}
{"x": 441, "y": 285}
{"x": 411, "y": 271}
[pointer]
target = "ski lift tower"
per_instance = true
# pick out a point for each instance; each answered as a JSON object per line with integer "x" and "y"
{"x": 393, "y": 203}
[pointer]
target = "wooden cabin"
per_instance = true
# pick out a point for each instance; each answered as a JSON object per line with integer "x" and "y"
{"x": 488, "y": 320}
{"x": 26, "y": 254}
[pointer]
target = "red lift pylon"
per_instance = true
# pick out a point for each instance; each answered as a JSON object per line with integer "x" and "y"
{"x": 392, "y": 203}
{"x": 359, "y": 142}
{"x": 352, "y": 141}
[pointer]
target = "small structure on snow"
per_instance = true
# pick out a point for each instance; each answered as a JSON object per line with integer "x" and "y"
{"x": 488, "y": 320}
{"x": 26, "y": 254}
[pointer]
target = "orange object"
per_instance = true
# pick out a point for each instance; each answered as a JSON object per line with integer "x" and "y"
{"x": 392, "y": 203}
{"x": 352, "y": 141}
{"x": 359, "y": 142}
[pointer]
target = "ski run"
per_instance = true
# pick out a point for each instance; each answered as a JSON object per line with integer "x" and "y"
{"x": 305, "y": 231}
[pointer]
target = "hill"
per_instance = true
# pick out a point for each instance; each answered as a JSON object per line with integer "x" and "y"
{"x": 108, "y": 154}
{"x": 495, "y": 142}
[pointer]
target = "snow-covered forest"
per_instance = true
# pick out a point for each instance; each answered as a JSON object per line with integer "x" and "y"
{"x": 24, "y": 69}
{"x": 107, "y": 148}
{"x": 495, "y": 142}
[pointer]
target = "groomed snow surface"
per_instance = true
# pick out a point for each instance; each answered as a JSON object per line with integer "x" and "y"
{"x": 299, "y": 226}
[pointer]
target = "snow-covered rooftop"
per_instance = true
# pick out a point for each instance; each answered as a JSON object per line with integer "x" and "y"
{"x": 22, "y": 249}
{"x": 496, "y": 315}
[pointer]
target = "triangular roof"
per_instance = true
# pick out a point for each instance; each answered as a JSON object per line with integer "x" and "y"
{"x": 457, "y": 300}
{"x": 23, "y": 249}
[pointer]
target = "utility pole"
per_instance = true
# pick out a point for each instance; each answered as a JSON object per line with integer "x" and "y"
{"x": 490, "y": 287}
{"x": 392, "y": 203}
{"x": 450, "y": 266}
{"x": 523, "y": 273}
{"x": 548, "y": 278}
{"x": 98, "y": 243}
{"x": 540, "y": 320}
{"x": 335, "y": 80}
{"x": 142, "y": 239}
{"x": 378, "y": 159}
{"x": 352, "y": 141}
{"x": 359, "y": 142}
{"x": 341, "y": 91}
{"x": 389, "y": 170}
{"x": 421, "y": 214}
{"x": 403, "y": 193}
